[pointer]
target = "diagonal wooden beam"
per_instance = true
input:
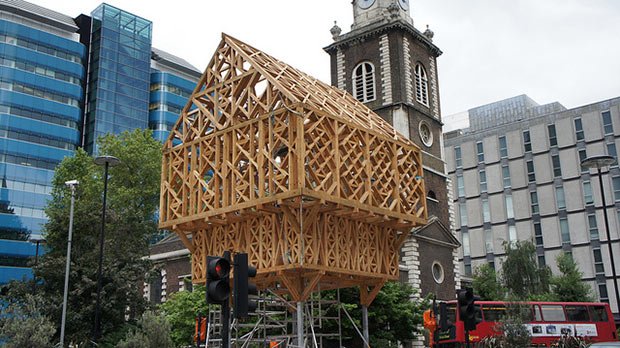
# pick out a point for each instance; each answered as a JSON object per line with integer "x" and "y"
{"x": 293, "y": 289}
{"x": 188, "y": 244}
{"x": 312, "y": 284}
{"x": 366, "y": 296}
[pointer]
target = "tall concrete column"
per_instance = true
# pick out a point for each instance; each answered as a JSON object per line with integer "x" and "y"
{"x": 300, "y": 324}
{"x": 365, "y": 324}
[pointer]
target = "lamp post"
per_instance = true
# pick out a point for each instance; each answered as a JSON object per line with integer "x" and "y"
{"x": 598, "y": 162}
{"x": 71, "y": 184}
{"x": 38, "y": 240}
{"x": 106, "y": 162}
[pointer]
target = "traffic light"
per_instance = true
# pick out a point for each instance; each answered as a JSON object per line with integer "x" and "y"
{"x": 218, "y": 283}
{"x": 467, "y": 308}
{"x": 243, "y": 287}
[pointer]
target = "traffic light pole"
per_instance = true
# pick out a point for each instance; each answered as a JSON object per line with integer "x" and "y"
{"x": 467, "y": 338}
{"x": 226, "y": 314}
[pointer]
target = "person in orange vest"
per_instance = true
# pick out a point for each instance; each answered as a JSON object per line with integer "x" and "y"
{"x": 430, "y": 323}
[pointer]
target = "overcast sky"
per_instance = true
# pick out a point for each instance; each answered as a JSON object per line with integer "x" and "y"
{"x": 553, "y": 50}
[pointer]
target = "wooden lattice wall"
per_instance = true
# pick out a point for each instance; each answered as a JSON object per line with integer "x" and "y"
{"x": 320, "y": 191}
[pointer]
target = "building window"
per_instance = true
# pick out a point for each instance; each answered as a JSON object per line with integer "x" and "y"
{"x": 557, "y": 169}
{"x": 611, "y": 150}
{"x": 538, "y": 236}
{"x": 457, "y": 157}
{"x": 534, "y": 202}
{"x": 564, "y": 231}
{"x": 512, "y": 235}
{"x": 503, "y": 148}
{"x": 466, "y": 246}
{"x": 463, "y": 213}
{"x": 592, "y": 226}
{"x": 602, "y": 292}
{"x": 425, "y": 134}
{"x": 607, "y": 125}
{"x": 492, "y": 265}
{"x": 531, "y": 176}
{"x": 468, "y": 269}
{"x": 421, "y": 84}
{"x": 541, "y": 261}
{"x": 364, "y": 82}
{"x": 438, "y": 273}
{"x": 587, "y": 192}
{"x": 582, "y": 157}
{"x": 578, "y": 129}
{"x": 616, "y": 182}
{"x": 480, "y": 151}
{"x": 599, "y": 267}
{"x": 486, "y": 212}
{"x": 527, "y": 142}
{"x": 483, "y": 181}
{"x": 553, "y": 139}
{"x": 460, "y": 185}
{"x": 506, "y": 175}
{"x": 488, "y": 240}
{"x": 510, "y": 213}
{"x": 560, "y": 199}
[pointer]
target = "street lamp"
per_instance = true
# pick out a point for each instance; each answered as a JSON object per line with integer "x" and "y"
{"x": 598, "y": 162}
{"x": 38, "y": 240}
{"x": 106, "y": 162}
{"x": 71, "y": 184}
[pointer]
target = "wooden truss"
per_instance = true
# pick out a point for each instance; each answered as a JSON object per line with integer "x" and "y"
{"x": 315, "y": 187}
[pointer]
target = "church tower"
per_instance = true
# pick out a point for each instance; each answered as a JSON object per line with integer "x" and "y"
{"x": 390, "y": 66}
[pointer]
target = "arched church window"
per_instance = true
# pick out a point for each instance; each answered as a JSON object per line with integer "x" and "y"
{"x": 421, "y": 84}
{"x": 364, "y": 82}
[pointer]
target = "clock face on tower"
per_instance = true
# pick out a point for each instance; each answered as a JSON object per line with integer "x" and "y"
{"x": 364, "y": 4}
{"x": 404, "y": 4}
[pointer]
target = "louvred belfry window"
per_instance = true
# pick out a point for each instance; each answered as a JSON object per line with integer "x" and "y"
{"x": 421, "y": 84}
{"x": 364, "y": 82}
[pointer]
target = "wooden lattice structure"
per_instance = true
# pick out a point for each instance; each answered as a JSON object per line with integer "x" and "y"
{"x": 317, "y": 189}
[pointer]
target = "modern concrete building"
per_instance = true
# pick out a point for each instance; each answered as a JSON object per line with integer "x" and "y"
{"x": 63, "y": 82}
{"x": 517, "y": 176}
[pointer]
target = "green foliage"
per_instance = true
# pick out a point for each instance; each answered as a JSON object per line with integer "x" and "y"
{"x": 152, "y": 331}
{"x": 133, "y": 193}
{"x": 181, "y": 310}
{"x": 571, "y": 342}
{"x": 487, "y": 285}
{"x": 569, "y": 287}
{"x": 23, "y": 325}
{"x": 530, "y": 279}
{"x": 392, "y": 316}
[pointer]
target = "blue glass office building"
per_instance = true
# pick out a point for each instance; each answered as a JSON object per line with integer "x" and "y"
{"x": 63, "y": 82}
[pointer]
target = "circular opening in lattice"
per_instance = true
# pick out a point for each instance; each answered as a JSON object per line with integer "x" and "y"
{"x": 425, "y": 133}
{"x": 438, "y": 273}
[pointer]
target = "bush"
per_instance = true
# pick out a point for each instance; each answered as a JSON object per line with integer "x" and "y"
{"x": 153, "y": 331}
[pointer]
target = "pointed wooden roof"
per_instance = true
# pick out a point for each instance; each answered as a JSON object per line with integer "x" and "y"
{"x": 258, "y": 67}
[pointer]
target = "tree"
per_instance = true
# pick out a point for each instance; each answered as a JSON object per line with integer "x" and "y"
{"x": 569, "y": 287}
{"x": 487, "y": 285}
{"x": 133, "y": 196}
{"x": 181, "y": 310}
{"x": 152, "y": 331}
{"x": 23, "y": 325}
{"x": 521, "y": 274}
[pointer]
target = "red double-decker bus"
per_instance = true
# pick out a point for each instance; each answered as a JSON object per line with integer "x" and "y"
{"x": 546, "y": 322}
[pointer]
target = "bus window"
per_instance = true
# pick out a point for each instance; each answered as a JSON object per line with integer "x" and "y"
{"x": 537, "y": 314}
{"x": 553, "y": 313}
{"x": 576, "y": 313}
{"x": 599, "y": 313}
{"x": 493, "y": 312}
{"x": 451, "y": 313}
